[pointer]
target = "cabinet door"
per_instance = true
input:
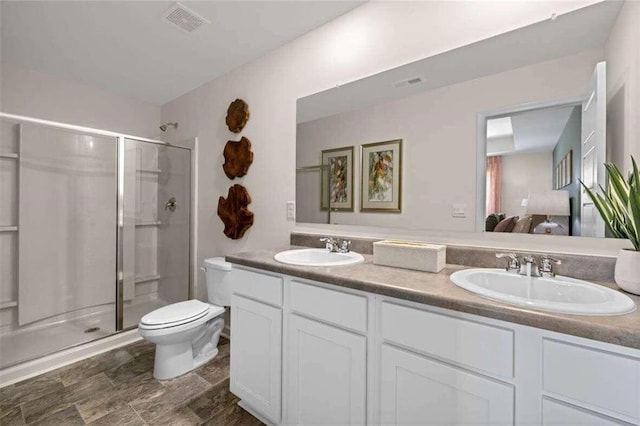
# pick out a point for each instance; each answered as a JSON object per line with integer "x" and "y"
{"x": 256, "y": 355}
{"x": 556, "y": 413}
{"x": 418, "y": 390}
{"x": 327, "y": 374}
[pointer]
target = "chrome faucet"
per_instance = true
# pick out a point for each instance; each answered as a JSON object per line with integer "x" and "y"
{"x": 529, "y": 266}
{"x": 335, "y": 245}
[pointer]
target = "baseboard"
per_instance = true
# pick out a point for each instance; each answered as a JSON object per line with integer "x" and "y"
{"x": 29, "y": 369}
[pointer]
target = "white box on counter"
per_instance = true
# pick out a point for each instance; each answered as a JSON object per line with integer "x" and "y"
{"x": 410, "y": 255}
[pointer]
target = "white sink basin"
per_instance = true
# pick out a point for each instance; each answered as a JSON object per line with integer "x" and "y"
{"x": 560, "y": 294}
{"x": 318, "y": 257}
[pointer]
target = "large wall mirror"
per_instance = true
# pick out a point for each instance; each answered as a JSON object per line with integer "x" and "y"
{"x": 502, "y": 128}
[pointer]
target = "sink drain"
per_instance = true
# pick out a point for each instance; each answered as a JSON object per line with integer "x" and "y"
{"x": 92, "y": 329}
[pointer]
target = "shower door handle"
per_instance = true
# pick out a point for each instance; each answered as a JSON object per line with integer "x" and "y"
{"x": 171, "y": 204}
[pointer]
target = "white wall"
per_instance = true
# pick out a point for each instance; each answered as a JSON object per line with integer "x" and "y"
{"x": 372, "y": 38}
{"x": 34, "y": 94}
{"x": 438, "y": 129}
{"x": 622, "y": 53}
{"x": 524, "y": 173}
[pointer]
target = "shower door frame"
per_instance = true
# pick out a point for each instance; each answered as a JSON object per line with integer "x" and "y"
{"x": 121, "y": 150}
{"x": 191, "y": 146}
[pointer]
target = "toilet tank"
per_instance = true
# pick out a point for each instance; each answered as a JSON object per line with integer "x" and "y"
{"x": 218, "y": 277}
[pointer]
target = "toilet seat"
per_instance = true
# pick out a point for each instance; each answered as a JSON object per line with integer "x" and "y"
{"x": 178, "y": 314}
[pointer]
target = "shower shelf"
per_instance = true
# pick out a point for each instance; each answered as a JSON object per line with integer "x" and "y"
{"x": 8, "y": 228}
{"x": 9, "y": 155}
{"x": 147, "y": 278}
{"x": 149, "y": 223}
{"x": 5, "y": 304}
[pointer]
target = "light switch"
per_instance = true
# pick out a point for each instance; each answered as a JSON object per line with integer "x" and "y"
{"x": 459, "y": 210}
{"x": 291, "y": 210}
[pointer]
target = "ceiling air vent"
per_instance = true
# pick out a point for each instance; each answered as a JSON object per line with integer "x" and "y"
{"x": 183, "y": 18}
{"x": 408, "y": 82}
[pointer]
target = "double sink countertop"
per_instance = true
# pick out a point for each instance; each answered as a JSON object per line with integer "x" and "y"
{"x": 437, "y": 289}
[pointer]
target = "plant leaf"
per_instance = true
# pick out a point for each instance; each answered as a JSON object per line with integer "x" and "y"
{"x": 619, "y": 204}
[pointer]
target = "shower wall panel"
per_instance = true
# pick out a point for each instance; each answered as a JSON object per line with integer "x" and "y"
{"x": 174, "y": 233}
{"x": 67, "y": 219}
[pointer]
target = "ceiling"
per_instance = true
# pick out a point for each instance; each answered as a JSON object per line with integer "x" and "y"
{"x": 127, "y": 47}
{"x": 532, "y": 131}
{"x": 570, "y": 33}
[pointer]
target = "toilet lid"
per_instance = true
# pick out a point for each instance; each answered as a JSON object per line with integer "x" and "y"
{"x": 181, "y": 312}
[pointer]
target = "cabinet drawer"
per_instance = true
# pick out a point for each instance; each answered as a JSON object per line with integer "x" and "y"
{"x": 479, "y": 346}
{"x": 335, "y": 307}
{"x": 259, "y": 286}
{"x": 595, "y": 378}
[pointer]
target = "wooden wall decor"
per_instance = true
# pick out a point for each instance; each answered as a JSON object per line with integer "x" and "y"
{"x": 237, "y": 158}
{"x": 234, "y": 213}
{"x": 237, "y": 115}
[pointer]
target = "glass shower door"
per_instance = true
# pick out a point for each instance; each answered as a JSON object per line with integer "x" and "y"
{"x": 156, "y": 232}
{"x": 57, "y": 239}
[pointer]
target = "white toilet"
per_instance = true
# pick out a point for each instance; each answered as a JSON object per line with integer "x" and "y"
{"x": 186, "y": 333}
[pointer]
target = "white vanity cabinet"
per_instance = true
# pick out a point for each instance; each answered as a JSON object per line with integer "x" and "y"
{"x": 304, "y": 352}
{"x": 418, "y": 390}
{"x": 256, "y": 352}
{"x": 557, "y": 413}
{"x": 437, "y": 369}
{"x": 326, "y": 355}
{"x": 327, "y": 374}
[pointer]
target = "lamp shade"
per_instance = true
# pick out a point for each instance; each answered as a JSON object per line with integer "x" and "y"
{"x": 549, "y": 203}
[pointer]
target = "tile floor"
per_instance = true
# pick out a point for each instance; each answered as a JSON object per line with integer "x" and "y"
{"x": 118, "y": 388}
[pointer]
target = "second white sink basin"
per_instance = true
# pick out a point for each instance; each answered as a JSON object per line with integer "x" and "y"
{"x": 318, "y": 257}
{"x": 558, "y": 294}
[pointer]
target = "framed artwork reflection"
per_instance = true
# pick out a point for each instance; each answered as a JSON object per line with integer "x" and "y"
{"x": 336, "y": 188}
{"x": 381, "y": 185}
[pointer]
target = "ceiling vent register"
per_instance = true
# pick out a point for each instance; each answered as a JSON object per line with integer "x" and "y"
{"x": 183, "y": 18}
{"x": 408, "y": 82}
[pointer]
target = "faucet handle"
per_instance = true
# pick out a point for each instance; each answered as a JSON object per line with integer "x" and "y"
{"x": 331, "y": 243}
{"x": 514, "y": 262}
{"x": 344, "y": 246}
{"x": 547, "y": 265}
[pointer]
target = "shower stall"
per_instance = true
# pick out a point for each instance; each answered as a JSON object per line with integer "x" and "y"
{"x": 95, "y": 232}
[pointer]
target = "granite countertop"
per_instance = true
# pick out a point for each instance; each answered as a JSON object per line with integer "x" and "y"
{"x": 439, "y": 290}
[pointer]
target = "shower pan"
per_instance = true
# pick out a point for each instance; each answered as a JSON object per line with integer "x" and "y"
{"x": 94, "y": 233}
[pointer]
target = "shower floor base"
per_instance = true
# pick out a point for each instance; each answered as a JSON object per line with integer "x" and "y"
{"x": 24, "y": 345}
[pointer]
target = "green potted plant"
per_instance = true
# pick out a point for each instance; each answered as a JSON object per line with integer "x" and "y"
{"x": 619, "y": 206}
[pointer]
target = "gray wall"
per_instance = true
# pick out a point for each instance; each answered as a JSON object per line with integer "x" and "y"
{"x": 570, "y": 140}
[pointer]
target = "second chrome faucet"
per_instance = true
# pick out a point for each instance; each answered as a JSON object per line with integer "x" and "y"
{"x": 335, "y": 245}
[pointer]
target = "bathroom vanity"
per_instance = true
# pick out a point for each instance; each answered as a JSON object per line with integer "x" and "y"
{"x": 366, "y": 344}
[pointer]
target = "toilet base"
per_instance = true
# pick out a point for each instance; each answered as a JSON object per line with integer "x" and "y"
{"x": 177, "y": 359}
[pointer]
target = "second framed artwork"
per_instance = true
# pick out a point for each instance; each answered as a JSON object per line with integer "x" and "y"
{"x": 381, "y": 171}
{"x": 337, "y": 179}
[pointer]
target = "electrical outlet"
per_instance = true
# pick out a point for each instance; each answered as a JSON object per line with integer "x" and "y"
{"x": 291, "y": 210}
{"x": 459, "y": 210}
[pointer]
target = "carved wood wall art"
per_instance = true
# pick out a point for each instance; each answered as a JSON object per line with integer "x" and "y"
{"x": 237, "y": 115}
{"x": 237, "y": 158}
{"x": 234, "y": 213}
